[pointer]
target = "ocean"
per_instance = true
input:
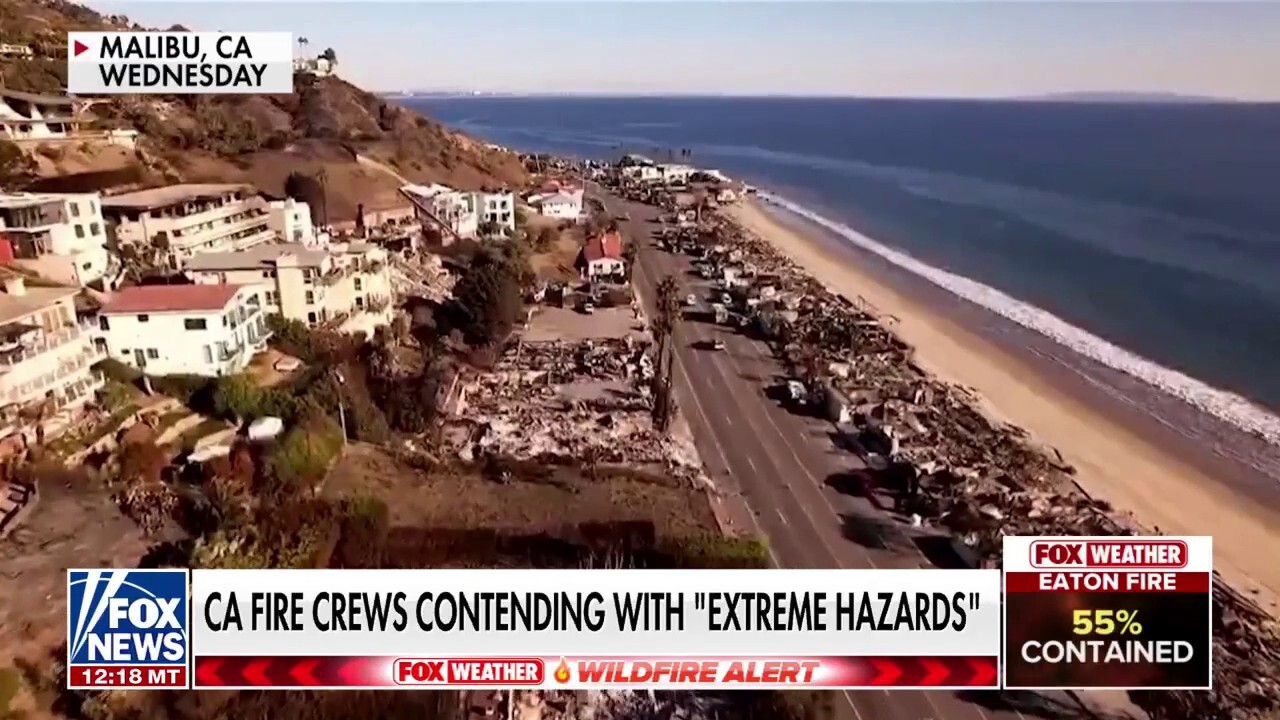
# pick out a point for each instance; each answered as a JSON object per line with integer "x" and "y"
{"x": 1143, "y": 238}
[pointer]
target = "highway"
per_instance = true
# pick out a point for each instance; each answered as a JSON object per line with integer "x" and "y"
{"x": 774, "y": 466}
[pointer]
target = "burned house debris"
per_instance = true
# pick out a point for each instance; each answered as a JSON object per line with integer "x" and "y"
{"x": 931, "y": 454}
{"x": 564, "y": 403}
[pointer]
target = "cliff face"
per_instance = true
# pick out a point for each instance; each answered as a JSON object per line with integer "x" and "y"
{"x": 325, "y": 125}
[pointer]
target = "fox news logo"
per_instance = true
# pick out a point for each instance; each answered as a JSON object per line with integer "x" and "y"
{"x": 127, "y": 618}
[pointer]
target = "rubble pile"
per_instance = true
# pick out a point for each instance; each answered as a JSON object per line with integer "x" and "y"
{"x": 421, "y": 275}
{"x": 568, "y": 402}
{"x": 606, "y": 704}
{"x": 955, "y": 466}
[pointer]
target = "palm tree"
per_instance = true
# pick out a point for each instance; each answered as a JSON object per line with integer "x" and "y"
{"x": 302, "y": 46}
{"x": 664, "y": 323}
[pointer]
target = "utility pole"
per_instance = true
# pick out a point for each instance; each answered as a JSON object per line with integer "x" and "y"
{"x": 342, "y": 413}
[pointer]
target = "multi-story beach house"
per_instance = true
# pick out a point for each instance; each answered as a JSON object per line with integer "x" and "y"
{"x": 59, "y": 237}
{"x": 46, "y": 359}
{"x": 28, "y": 116}
{"x": 290, "y": 220}
{"x": 209, "y": 330}
{"x": 497, "y": 209}
{"x": 345, "y": 284}
{"x": 180, "y": 221}
{"x": 452, "y": 213}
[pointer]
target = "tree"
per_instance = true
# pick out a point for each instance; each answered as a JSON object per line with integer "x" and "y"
{"x": 308, "y": 189}
{"x": 489, "y": 295}
{"x": 664, "y": 323}
{"x": 329, "y": 55}
{"x": 236, "y": 396}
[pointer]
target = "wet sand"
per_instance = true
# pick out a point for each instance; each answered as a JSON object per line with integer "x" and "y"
{"x": 1117, "y": 457}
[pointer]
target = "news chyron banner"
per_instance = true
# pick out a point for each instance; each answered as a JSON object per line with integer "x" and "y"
{"x": 568, "y": 629}
{"x": 105, "y": 63}
{"x": 1108, "y": 612}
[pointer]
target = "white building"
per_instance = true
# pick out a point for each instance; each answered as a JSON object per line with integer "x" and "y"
{"x": 497, "y": 208}
{"x": 601, "y": 257}
{"x": 290, "y": 220}
{"x": 453, "y": 212}
{"x": 16, "y": 51}
{"x": 59, "y": 237}
{"x": 206, "y": 330}
{"x": 675, "y": 174}
{"x": 642, "y": 173}
{"x": 317, "y": 66}
{"x": 565, "y": 204}
{"x": 28, "y": 116}
{"x": 45, "y": 359}
{"x": 346, "y": 283}
{"x": 183, "y": 220}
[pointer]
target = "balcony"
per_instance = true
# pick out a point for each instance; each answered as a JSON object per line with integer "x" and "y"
{"x": 56, "y": 379}
{"x": 46, "y": 342}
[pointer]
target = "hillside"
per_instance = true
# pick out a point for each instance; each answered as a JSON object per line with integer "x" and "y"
{"x": 323, "y": 126}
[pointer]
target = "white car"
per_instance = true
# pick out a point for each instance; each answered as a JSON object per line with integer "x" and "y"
{"x": 717, "y": 345}
{"x": 691, "y": 300}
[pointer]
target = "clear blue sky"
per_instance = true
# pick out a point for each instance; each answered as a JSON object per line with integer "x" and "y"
{"x": 954, "y": 49}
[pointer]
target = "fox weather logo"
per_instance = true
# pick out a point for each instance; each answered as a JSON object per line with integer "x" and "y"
{"x": 127, "y": 617}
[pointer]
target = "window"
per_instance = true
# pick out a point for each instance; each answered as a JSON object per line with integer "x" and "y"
{"x": 103, "y": 324}
{"x": 360, "y": 303}
{"x": 311, "y": 298}
{"x": 208, "y": 354}
{"x": 144, "y": 318}
{"x": 268, "y": 273}
{"x": 75, "y": 209}
{"x": 195, "y": 324}
{"x": 358, "y": 287}
{"x": 152, "y": 354}
{"x": 94, "y": 229}
{"x": 311, "y": 318}
{"x": 271, "y": 297}
{"x": 79, "y": 230}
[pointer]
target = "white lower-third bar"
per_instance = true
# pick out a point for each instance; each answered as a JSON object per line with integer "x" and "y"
{"x": 189, "y": 77}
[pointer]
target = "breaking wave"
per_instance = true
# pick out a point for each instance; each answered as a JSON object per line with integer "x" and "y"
{"x": 1226, "y": 406}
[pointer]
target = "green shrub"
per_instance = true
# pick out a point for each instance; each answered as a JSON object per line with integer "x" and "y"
{"x": 194, "y": 391}
{"x": 237, "y": 397}
{"x": 717, "y": 551}
{"x": 304, "y": 454}
{"x": 292, "y": 337}
{"x": 118, "y": 371}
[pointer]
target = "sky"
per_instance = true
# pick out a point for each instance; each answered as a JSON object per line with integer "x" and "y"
{"x": 946, "y": 48}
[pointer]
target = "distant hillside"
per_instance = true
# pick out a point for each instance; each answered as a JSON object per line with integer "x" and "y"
{"x": 259, "y": 139}
{"x": 1128, "y": 97}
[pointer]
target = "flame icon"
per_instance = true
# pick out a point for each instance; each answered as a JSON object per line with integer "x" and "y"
{"x": 562, "y": 672}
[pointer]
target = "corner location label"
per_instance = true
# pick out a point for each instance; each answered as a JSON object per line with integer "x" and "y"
{"x": 105, "y": 63}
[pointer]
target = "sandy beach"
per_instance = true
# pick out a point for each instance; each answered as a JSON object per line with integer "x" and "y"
{"x": 1113, "y": 462}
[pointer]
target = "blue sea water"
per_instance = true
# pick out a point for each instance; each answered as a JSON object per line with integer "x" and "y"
{"x": 1155, "y": 228}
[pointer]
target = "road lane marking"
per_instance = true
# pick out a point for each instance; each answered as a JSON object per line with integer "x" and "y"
{"x": 769, "y": 360}
{"x": 688, "y": 381}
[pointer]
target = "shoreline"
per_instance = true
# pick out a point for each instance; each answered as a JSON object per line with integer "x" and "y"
{"x": 1115, "y": 461}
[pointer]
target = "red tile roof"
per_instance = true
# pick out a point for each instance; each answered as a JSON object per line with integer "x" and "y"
{"x": 608, "y": 245}
{"x": 170, "y": 298}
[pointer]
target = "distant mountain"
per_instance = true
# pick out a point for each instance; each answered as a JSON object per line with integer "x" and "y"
{"x": 1128, "y": 97}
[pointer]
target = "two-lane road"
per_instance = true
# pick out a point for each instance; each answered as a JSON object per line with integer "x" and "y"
{"x": 777, "y": 464}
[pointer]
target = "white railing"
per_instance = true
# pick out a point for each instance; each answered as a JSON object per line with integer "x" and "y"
{"x": 32, "y": 389}
{"x": 47, "y": 341}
